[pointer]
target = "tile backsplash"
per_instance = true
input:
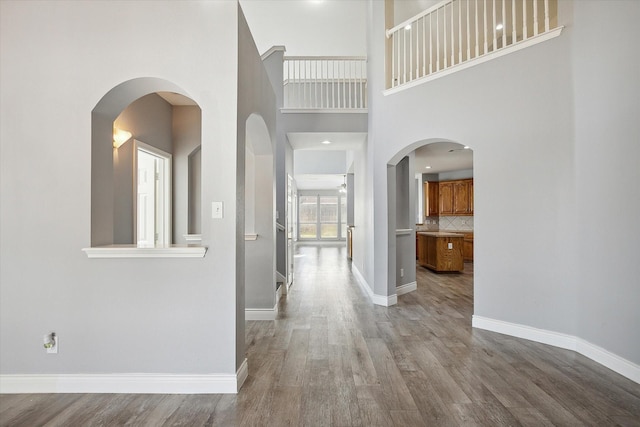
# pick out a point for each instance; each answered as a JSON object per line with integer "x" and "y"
{"x": 459, "y": 223}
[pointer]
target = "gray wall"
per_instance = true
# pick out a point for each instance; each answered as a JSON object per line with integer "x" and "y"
{"x": 541, "y": 250}
{"x": 319, "y": 162}
{"x": 256, "y": 126}
{"x": 405, "y": 244}
{"x": 607, "y": 174}
{"x": 187, "y": 178}
{"x": 110, "y": 314}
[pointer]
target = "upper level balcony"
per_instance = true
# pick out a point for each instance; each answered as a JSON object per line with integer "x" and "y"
{"x": 332, "y": 84}
{"x": 457, "y": 34}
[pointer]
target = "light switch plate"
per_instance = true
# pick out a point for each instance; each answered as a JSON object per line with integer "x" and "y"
{"x": 217, "y": 210}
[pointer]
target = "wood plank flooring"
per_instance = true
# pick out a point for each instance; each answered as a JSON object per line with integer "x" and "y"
{"x": 334, "y": 359}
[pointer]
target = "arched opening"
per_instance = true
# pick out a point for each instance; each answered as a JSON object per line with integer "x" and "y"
{"x": 430, "y": 211}
{"x": 143, "y": 134}
{"x": 260, "y": 243}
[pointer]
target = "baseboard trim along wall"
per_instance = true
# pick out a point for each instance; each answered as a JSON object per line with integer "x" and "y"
{"x": 597, "y": 354}
{"x": 126, "y": 383}
{"x": 406, "y": 288}
{"x": 261, "y": 313}
{"x": 382, "y": 300}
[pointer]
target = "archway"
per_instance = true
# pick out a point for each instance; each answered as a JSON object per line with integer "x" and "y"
{"x": 112, "y": 174}
{"x": 408, "y": 172}
{"x": 260, "y": 242}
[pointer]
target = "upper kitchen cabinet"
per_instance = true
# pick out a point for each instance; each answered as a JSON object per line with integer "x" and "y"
{"x": 431, "y": 198}
{"x": 456, "y": 197}
{"x": 445, "y": 189}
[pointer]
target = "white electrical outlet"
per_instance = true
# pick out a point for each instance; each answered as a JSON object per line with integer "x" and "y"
{"x": 402, "y": 272}
{"x": 51, "y": 343}
{"x": 450, "y": 245}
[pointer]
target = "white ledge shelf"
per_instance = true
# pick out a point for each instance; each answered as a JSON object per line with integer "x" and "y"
{"x": 403, "y": 231}
{"x": 133, "y": 251}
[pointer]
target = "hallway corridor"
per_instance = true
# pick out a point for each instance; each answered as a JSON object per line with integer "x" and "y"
{"x": 332, "y": 358}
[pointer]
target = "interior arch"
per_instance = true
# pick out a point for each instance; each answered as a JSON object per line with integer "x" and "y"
{"x": 260, "y": 242}
{"x": 103, "y": 174}
{"x": 402, "y": 195}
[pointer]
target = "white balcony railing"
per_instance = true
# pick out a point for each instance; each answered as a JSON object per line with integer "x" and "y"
{"x": 454, "y": 32}
{"x": 325, "y": 83}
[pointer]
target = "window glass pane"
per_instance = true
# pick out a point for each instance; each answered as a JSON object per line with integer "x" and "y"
{"x": 328, "y": 209}
{"x": 308, "y": 231}
{"x": 329, "y": 231}
{"x": 308, "y": 209}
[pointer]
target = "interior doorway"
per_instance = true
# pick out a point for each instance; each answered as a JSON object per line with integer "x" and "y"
{"x": 153, "y": 196}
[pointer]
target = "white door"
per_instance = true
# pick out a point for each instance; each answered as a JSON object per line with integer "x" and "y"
{"x": 146, "y": 199}
{"x": 153, "y": 197}
{"x": 290, "y": 229}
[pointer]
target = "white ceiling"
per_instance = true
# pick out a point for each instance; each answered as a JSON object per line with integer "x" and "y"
{"x": 443, "y": 157}
{"x": 176, "y": 99}
{"x": 340, "y": 141}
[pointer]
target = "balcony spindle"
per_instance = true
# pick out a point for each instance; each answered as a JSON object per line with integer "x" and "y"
{"x": 417, "y": 49}
{"x": 453, "y": 41}
{"x": 477, "y": 33}
{"x": 430, "y": 47}
{"x": 410, "y": 31}
{"x": 546, "y": 15}
{"x": 514, "y": 22}
{"x": 504, "y": 23}
{"x": 424, "y": 46}
{"x": 535, "y": 17}
{"x": 459, "y": 32}
{"x": 486, "y": 45}
{"x": 445, "y": 30}
{"x": 438, "y": 40}
{"x": 524, "y": 21}
{"x": 468, "y": 35}
{"x": 495, "y": 32}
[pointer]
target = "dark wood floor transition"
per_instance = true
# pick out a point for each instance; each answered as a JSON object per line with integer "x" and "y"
{"x": 334, "y": 359}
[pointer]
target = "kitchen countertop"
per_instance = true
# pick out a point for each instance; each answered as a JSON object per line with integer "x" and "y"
{"x": 440, "y": 234}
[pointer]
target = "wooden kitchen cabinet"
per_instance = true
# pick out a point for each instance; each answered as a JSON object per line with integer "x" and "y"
{"x": 456, "y": 197}
{"x": 431, "y": 198}
{"x": 440, "y": 251}
{"x": 445, "y": 190}
{"x": 467, "y": 247}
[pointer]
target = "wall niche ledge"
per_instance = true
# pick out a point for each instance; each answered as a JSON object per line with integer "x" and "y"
{"x": 133, "y": 251}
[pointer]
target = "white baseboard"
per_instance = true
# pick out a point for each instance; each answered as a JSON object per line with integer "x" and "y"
{"x": 598, "y": 354}
{"x": 382, "y": 300}
{"x": 125, "y": 383}
{"x": 406, "y": 288}
{"x": 242, "y": 374}
{"x": 385, "y": 301}
{"x": 261, "y": 313}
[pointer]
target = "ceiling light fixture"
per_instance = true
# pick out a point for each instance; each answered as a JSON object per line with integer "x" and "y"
{"x": 466, "y": 147}
{"x": 499, "y": 27}
{"x": 427, "y": 167}
{"x": 120, "y": 137}
{"x": 326, "y": 142}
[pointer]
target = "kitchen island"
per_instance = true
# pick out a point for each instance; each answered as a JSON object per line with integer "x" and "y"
{"x": 440, "y": 251}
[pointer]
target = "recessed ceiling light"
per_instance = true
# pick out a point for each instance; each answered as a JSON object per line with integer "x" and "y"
{"x": 427, "y": 167}
{"x": 499, "y": 27}
{"x": 407, "y": 27}
{"x": 326, "y": 142}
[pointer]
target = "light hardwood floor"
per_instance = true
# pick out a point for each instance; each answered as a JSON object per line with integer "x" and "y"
{"x": 334, "y": 359}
